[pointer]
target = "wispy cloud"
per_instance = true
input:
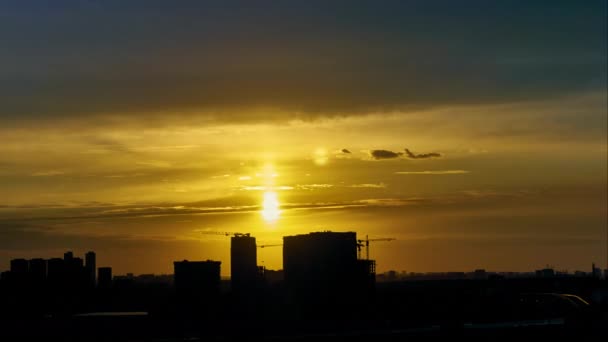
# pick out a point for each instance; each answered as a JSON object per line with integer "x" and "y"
{"x": 266, "y": 188}
{"x": 493, "y": 193}
{"x": 154, "y": 163}
{"x": 129, "y": 211}
{"x": 434, "y": 172}
{"x": 328, "y": 186}
{"x": 49, "y": 173}
{"x": 125, "y": 175}
{"x": 103, "y": 211}
{"x": 170, "y": 148}
{"x": 368, "y": 185}
{"x": 413, "y": 155}
{"x": 313, "y": 186}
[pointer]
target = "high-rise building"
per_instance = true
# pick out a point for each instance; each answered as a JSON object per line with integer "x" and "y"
{"x": 67, "y": 256}
{"x": 323, "y": 274}
{"x": 104, "y": 277}
{"x": 90, "y": 267}
{"x": 319, "y": 258}
{"x": 243, "y": 262}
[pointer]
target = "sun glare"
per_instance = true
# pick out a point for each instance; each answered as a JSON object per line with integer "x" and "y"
{"x": 320, "y": 156}
{"x": 270, "y": 207}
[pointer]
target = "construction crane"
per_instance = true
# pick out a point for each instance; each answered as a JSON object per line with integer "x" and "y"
{"x": 212, "y": 232}
{"x": 361, "y": 243}
{"x": 264, "y": 246}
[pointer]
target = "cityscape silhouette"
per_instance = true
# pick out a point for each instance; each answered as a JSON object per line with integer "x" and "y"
{"x": 326, "y": 290}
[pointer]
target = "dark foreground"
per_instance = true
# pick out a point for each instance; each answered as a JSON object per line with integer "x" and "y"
{"x": 532, "y": 309}
{"x": 151, "y": 329}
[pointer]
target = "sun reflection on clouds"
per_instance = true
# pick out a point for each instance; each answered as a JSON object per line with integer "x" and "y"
{"x": 270, "y": 206}
{"x": 320, "y": 156}
{"x": 270, "y": 203}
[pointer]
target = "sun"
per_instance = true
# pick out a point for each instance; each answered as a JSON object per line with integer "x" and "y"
{"x": 320, "y": 156}
{"x": 270, "y": 206}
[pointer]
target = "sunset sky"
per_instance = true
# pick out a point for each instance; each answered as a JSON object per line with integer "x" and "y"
{"x": 472, "y": 132}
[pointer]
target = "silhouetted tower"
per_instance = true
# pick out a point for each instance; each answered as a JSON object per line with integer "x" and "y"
{"x": 104, "y": 277}
{"x": 243, "y": 262}
{"x": 90, "y": 267}
{"x": 323, "y": 273}
{"x": 596, "y": 272}
{"x": 319, "y": 257}
{"x": 68, "y": 256}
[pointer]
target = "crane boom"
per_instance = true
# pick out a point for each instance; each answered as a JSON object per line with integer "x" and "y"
{"x": 361, "y": 243}
{"x": 213, "y": 232}
{"x": 264, "y": 246}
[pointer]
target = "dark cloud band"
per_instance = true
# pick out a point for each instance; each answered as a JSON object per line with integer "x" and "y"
{"x": 217, "y": 61}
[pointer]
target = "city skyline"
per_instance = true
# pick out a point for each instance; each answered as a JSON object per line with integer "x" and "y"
{"x": 88, "y": 264}
{"x": 85, "y": 273}
{"x": 474, "y": 135}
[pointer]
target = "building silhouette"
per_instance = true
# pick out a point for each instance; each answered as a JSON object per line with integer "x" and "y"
{"x": 19, "y": 274}
{"x": 91, "y": 268}
{"x": 104, "y": 277}
{"x": 545, "y": 273}
{"x": 272, "y": 277}
{"x": 67, "y": 256}
{"x": 37, "y": 269}
{"x": 197, "y": 286}
{"x": 243, "y": 263}
{"x": 75, "y": 273}
{"x": 325, "y": 289}
{"x": 19, "y": 266}
{"x": 197, "y": 276}
{"x": 323, "y": 275}
{"x": 56, "y": 272}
